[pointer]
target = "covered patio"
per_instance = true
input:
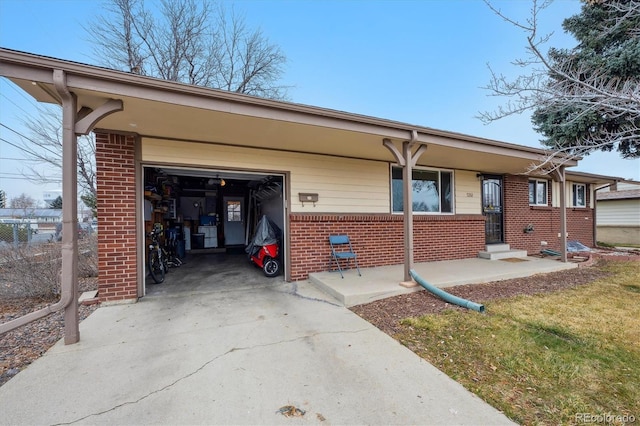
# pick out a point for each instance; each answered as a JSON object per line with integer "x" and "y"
{"x": 382, "y": 282}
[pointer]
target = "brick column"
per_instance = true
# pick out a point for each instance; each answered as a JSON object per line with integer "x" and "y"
{"x": 115, "y": 170}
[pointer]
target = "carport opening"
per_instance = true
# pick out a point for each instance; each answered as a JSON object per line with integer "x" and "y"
{"x": 210, "y": 216}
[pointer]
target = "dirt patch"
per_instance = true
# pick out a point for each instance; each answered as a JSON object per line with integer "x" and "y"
{"x": 387, "y": 313}
{"x": 20, "y": 347}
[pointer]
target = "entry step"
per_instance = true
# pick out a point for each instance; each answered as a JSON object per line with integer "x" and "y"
{"x": 497, "y": 247}
{"x": 504, "y": 254}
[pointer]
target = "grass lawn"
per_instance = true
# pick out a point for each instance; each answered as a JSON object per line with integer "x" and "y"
{"x": 547, "y": 358}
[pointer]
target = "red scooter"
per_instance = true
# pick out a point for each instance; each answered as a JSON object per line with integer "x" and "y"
{"x": 264, "y": 247}
{"x": 266, "y": 258}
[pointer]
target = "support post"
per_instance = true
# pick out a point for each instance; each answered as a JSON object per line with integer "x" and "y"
{"x": 69, "y": 208}
{"x": 407, "y": 160}
{"x": 559, "y": 174}
{"x": 407, "y": 178}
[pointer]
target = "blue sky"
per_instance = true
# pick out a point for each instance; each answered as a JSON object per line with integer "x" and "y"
{"x": 421, "y": 62}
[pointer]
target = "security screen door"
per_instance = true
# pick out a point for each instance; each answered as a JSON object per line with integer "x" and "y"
{"x": 492, "y": 208}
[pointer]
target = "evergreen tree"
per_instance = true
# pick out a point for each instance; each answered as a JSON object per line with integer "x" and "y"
{"x": 91, "y": 201}
{"x": 56, "y": 204}
{"x": 607, "y": 57}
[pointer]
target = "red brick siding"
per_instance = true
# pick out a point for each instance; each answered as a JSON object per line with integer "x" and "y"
{"x": 115, "y": 167}
{"x": 379, "y": 240}
{"x": 545, "y": 219}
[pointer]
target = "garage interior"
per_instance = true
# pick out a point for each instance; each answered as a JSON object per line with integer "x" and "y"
{"x": 211, "y": 212}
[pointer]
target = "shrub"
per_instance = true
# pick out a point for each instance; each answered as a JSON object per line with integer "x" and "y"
{"x": 35, "y": 270}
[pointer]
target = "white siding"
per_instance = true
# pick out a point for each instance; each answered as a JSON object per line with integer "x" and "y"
{"x": 618, "y": 212}
{"x": 468, "y": 193}
{"x": 343, "y": 185}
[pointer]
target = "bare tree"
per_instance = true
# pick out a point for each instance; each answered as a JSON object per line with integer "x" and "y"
{"x": 584, "y": 99}
{"x": 44, "y": 146}
{"x": 24, "y": 202}
{"x": 182, "y": 40}
{"x": 188, "y": 41}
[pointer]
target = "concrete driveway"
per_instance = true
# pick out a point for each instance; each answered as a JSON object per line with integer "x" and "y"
{"x": 235, "y": 354}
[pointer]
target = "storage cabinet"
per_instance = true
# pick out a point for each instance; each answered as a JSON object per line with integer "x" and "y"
{"x": 210, "y": 235}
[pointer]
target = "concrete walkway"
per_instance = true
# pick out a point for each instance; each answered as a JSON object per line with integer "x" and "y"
{"x": 235, "y": 354}
{"x": 382, "y": 282}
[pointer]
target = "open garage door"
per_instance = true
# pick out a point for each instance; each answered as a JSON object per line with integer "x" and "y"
{"x": 210, "y": 215}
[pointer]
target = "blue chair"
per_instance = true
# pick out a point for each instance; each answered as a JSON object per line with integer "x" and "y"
{"x": 341, "y": 249}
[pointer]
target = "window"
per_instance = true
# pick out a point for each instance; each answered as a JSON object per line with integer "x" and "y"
{"x": 538, "y": 192}
{"x": 579, "y": 195}
{"x": 234, "y": 214}
{"x": 432, "y": 191}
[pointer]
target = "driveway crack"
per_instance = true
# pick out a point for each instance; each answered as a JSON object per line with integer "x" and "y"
{"x": 294, "y": 292}
{"x": 203, "y": 366}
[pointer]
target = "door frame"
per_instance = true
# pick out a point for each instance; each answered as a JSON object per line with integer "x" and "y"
{"x": 243, "y": 218}
{"x": 139, "y": 184}
{"x": 492, "y": 210}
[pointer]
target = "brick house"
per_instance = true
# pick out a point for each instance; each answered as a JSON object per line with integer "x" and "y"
{"x": 208, "y": 163}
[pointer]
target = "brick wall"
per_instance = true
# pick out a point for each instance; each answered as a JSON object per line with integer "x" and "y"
{"x": 545, "y": 219}
{"x": 115, "y": 166}
{"x": 378, "y": 239}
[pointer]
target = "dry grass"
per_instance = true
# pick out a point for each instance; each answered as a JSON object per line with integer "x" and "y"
{"x": 544, "y": 359}
{"x": 34, "y": 271}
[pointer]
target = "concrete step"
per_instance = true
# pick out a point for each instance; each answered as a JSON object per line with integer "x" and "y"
{"x": 497, "y": 247}
{"x": 505, "y": 254}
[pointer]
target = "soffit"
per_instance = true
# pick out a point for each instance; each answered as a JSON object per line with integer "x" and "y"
{"x": 160, "y": 109}
{"x": 177, "y": 122}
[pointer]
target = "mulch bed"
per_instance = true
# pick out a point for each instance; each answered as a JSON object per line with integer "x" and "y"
{"x": 22, "y": 346}
{"x": 387, "y": 313}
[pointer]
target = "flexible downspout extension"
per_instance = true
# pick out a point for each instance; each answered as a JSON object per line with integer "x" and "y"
{"x": 446, "y": 296}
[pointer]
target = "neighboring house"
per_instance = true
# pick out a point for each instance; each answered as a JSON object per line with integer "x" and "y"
{"x": 618, "y": 214}
{"x": 208, "y": 163}
{"x": 33, "y": 215}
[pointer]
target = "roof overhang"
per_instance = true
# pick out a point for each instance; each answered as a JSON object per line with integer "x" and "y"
{"x": 582, "y": 177}
{"x": 169, "y": 110}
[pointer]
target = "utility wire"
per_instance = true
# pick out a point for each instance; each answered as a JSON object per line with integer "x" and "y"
{"x": 21, "y": 148}
{"x": 21, "y": 93}
{"x": 15, "y": 104}
{"x": 57, "y": 154}
{"x": 17, "y": 159}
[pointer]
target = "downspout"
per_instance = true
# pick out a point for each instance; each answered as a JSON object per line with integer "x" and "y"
{"x": 68, "y": 300}
{"x": 407, "y": 178}
{"x": 69, "y": 208}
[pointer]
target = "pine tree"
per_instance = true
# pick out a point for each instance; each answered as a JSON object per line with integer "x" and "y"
{"x": 596, "y": 83}
{"x": 56, "y": 204}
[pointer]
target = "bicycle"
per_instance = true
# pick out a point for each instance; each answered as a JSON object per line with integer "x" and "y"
{"x": 156, "y": 259}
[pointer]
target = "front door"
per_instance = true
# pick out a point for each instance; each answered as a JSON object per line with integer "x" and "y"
{"x": 234, "y": 217}
{"x": 492, "y": 208}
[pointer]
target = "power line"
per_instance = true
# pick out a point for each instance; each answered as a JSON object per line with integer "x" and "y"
{"x": 16, "y": 159}
{"x": 21, "y": 93}
{"x": 21, "y": 148}
{"x": 30, "y": 179}
{"x": 57, "y": 154}
{"x": 15, "y": 104}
